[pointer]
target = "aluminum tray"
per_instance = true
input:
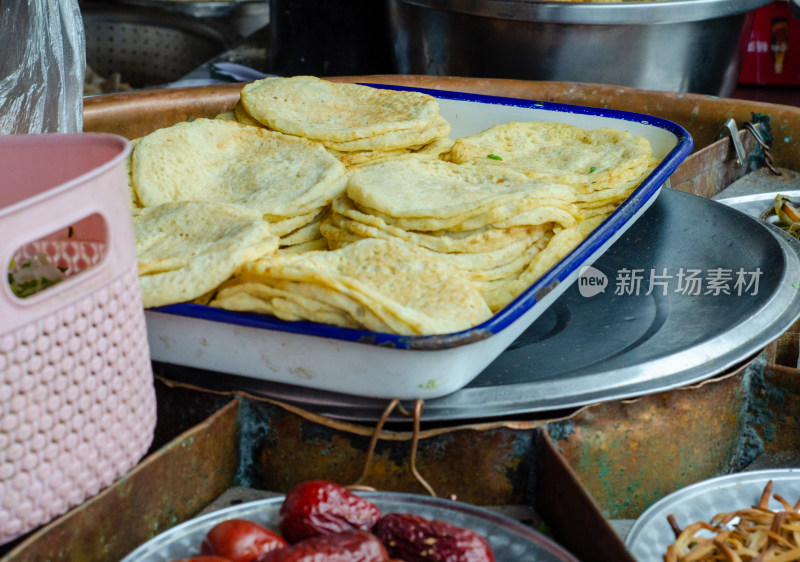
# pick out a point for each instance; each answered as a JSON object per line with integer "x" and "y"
{"x": 370, "y": 364}
{"x": 757, "y": 204}
{"x": 584, "y": 350}
{"x": 509, "y": 539}
{"x": 651, "y": 534}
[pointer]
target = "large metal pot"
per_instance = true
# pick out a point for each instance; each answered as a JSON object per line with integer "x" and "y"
{"x": 671, "y": 45}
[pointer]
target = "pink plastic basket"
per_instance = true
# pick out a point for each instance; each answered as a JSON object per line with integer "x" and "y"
{"x": 77, "y": 402}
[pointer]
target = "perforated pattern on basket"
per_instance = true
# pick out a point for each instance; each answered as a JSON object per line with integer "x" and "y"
{"x": 77, "y": 403}
{"x": 71, "y": 256}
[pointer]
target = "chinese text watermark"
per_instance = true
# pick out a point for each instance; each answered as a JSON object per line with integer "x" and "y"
{"x": 685, "y": 281}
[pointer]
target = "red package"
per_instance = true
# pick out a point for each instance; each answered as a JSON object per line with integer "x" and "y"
{"x": 773, "y": 51}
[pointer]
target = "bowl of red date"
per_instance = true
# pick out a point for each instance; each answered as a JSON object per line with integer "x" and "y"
{"x": 323, "y": 521}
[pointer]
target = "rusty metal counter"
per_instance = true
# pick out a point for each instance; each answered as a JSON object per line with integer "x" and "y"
{"x": 626, "y": 454}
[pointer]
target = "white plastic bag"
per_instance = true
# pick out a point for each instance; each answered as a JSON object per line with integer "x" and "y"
{"x": 42, "y": 66}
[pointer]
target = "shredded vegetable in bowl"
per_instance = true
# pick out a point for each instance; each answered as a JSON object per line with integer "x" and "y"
{"x": 745, "y": 535}
{"x": 784, "y": 214}
{"x": 33, "y": 275}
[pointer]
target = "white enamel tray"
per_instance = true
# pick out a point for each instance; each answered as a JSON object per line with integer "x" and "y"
{"x": 377, "y": 365}
{"x": 651, "y": 534}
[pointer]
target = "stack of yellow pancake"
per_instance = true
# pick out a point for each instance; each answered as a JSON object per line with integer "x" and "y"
{"x": 603, "y": 165}
{"x": 500, "y": 227}
{"x": 380, "y": 285}
{"x": 187, "y": 249}
{"x": 357, "y": 124}
{"x": 349, "y": 205}
{"x": 289, "y": 180}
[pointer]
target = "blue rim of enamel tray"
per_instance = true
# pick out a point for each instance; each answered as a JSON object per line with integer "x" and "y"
{"x": 617, "y": 220}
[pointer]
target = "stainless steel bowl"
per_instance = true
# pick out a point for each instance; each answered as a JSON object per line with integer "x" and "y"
{"x": 670, "y": 45}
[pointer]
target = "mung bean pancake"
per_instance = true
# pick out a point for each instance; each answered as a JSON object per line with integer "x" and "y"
{"x": 307, "y": 232}
{"x": 367, "y": 157}
{"x": 563, "y": 153}
{"x": 293, "y": 301}
{"x": 500, "y": 227}
{"x": 490, "y": 263}
{"x": 499, "y": 293}
{"x": 423, "y": 194}
{"x": 405, "y": 138}
{"x": 431, "y": 151}
{"x": 408, "y": 288}
{"x": 227, "y": 162}
{"x": 318, "y": 244}
{"x": 241, "y": 115}
{"x": 283, "y": 226}
{"x": 186, "y": 249}
{"x": 314, "y": 108}
{"x": 480, "y": 240}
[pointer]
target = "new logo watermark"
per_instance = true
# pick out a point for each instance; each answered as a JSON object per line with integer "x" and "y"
{"x": 591, "y": 281}
{"x": 686, "y": 281}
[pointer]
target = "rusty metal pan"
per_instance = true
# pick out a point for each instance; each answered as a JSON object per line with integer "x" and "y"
{"x": 616, "y": 344}
{"x": 651, "y": 534}
{"x": 509, "y": 539}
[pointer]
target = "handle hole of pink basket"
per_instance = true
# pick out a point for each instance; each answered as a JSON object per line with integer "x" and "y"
{"x": 43, "y": 264}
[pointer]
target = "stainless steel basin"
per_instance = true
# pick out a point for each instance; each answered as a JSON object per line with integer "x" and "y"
{"x": 671, "y": 45}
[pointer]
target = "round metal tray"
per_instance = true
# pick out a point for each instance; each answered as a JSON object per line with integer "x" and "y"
{"x": 588, "y": 349}
{"x": 509, "y": 539}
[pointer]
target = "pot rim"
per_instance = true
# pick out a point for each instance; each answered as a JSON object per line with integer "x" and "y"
{"x": 595, "y": 13}
{"x": 198, "y": 8}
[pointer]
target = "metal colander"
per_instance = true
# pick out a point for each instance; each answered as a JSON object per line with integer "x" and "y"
{"x": 149, "y": 47}
{"x": 244, "y": 16}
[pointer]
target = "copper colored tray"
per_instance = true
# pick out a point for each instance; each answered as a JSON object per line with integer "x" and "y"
{"x": 708, "y": 170}
{"x": 137, "y": 113}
